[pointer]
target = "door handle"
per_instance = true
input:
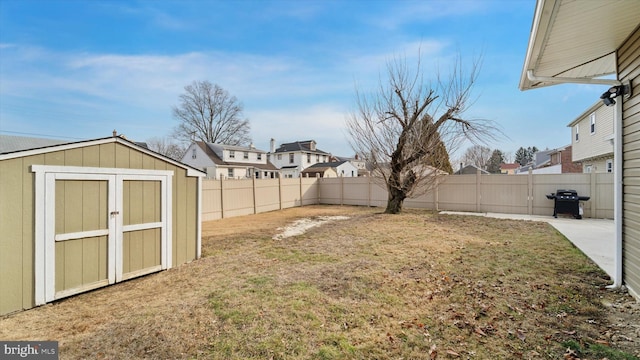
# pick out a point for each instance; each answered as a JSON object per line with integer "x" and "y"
{"x": 114, "y": 213}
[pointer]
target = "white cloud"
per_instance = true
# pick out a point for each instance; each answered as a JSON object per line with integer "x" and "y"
{"x": 407, "y": 12}
{"x": 322, "y": 122}
{"x": 286, "y": 98}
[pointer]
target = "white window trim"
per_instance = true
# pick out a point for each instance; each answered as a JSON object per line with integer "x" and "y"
{"x": 592, "y": 123}
{"x": 45, "y": 238}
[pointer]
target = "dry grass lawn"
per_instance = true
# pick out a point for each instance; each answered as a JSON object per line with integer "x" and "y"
{"x": 412, "y": 286}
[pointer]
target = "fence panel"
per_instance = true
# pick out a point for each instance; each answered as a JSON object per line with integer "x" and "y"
{"x": 424, "y": 201}
{"x": 458, "y": 193}
{"x": 544, "y": 184}
{"x": 523, "y": 194}
{"x": 331, "y": 191}
{"x": 309, "y": 188}
{"x": 290, "y": 192}
{"x": 602, "y": 195}
{"x": 356, "y": 191}
{"x": 237, "y": 197}
{"x": 267, "y": 195}
{"x": 504, "y": 194}
{"x": 211, "y": 200}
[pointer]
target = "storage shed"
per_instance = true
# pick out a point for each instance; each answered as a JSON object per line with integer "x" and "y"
{"x": 87, "y": 214}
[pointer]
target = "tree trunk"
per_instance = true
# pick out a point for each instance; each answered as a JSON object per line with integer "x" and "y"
{"x": 394, "y": 203}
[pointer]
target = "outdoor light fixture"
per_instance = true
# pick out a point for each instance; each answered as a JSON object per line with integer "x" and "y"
{"x": 615, "y": 91}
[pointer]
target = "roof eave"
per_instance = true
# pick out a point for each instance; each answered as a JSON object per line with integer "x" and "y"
{"x": 584, "y": 54}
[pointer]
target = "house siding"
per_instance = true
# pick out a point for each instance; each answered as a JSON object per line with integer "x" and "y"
{"x": 594, "y": 145}
{"x": 597, "y": 166}
{"x": 629, "y": 70}
{"x": 201, "y": 160}
{"x": 17, "y": 211}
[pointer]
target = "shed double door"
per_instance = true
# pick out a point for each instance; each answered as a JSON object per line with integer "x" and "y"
{"x": 107, "y": 228}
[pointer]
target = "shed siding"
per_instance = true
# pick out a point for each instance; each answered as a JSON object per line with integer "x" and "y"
{"x": 17, "y": 216}
{"x": 13, "y": 225}
{"x": 629, "y": 69}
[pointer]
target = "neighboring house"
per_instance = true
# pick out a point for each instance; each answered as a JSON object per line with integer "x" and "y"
{"x": 292, "y": 158}
{"x": 342, "y": 168}
{"x": 229, "y": 162}
{"x": 320, "y": 170}
{"x": 581, "y": 42}
{"x": 357, "y": 161}
{"x": 562, "y": 157}
{"x": 558, "y": 161}
{"x": 592, "y": 139}
{"x": 81, "y": 215}
{"x": 10, "y": 143}
{"x": 470, "y": 169}
{"x": 508, "y": 168}
{"x": 541, "y": 158}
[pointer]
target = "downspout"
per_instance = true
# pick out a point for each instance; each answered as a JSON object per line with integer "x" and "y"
{"x": 617, "y": 168}
{"x": 617, "y": 192}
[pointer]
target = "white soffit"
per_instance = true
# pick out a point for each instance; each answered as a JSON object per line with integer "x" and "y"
{"x": 577, "y": 39}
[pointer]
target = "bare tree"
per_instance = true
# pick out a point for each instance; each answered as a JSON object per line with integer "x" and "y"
{"x": 477, "y": 155}
{"x": 406, "y": 127}
{"x": 166, "y": 147}
{"x": 209, "y": 113}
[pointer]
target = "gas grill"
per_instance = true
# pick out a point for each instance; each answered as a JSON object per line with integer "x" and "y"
{"x": 567, "y": 202}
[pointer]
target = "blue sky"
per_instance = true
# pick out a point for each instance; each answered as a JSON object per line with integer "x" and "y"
{"x": 80, "y": 69}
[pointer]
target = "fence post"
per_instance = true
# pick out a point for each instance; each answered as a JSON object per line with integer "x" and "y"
{"x": 222, "y": 196}
{"x": 255, "y": 197}
{"x": 301, "y": 202}
{"x": 341, "y": 190}
{"x": 318, "y": 183}
{"x": 530, "y": 192}
{"x": 478, "y": 196}
{"x": 436, "y": 201}
{"x": 369, "y": 191}
{"x": 593, "y": 193}
{"x": 280, "y": 191}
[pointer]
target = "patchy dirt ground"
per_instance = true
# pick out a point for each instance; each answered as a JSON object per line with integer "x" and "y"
{"x": 301, "y": 226}
{"x": 623, "y": 322}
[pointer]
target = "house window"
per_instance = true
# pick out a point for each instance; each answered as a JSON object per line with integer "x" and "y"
{"x": 279, "y": 156}
{"x": 230, "y": 173}
{"x": 232, "y": 154}
{"x": 291, "y": 158}
{"x": 592, "y": 120}
{"x": 259, "y": 156}
{"x": 317, "y": 158}
{"x": 577, "y": 133}
{"x": 609, "y": 166}
{"x": 193, "y": 153}
{"x": 245, "y": 155}
{"x": 324, "y": 158}
{"x": 308, "y": 158}
{"x": 588, "y": 169}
